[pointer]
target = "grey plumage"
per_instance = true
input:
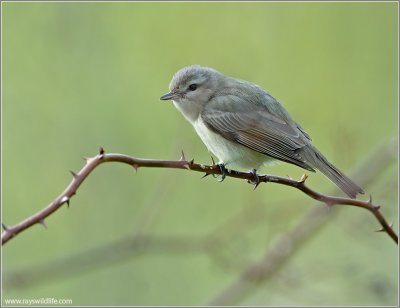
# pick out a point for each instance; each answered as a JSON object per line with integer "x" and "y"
{"x": 244, "y": 125}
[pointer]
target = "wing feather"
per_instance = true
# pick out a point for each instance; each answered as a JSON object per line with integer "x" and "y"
{"x": 256, "y": 128}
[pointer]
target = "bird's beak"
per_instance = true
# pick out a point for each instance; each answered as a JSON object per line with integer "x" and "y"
{"x": 169, "y": 96}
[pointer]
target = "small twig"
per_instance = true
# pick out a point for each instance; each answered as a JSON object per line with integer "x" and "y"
{"x": 91, "y": 163}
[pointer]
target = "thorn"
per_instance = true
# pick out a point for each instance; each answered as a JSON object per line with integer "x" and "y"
{"x": 136, "y": 167}
{"x": 376, "y": 207}
{"x": 73, "y": 174}
{"x": 182, "y": 155}
{"x": 370, "y": 199}
{"x": 5, "y": 228}
{"x": 383, "y": 230}
{"x": 256, "y": 185}
{"x": 87, "y": 159}
{"x": 101, "y": 152}
{"x": 207, "y": 174}
{"x": 63, "y": 200}
{"x": 42, "y": 223}
{"x": 186, "y": 166}
{"x": 329, "y": 204}
{"x": 192, "y": 161}
{"x": 213, "y": 161}
{"x": 303, "y": 178}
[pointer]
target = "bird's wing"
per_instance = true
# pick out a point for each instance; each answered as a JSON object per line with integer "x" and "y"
{"x": 255, "y": 127}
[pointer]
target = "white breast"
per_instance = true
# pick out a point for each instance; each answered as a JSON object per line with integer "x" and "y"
{"x": 229, "y": 152}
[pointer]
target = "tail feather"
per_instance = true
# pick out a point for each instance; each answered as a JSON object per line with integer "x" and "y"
{"x": 318, "y": 161}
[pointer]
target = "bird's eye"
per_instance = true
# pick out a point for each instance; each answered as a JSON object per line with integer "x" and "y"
{"x": 193, "y": 87}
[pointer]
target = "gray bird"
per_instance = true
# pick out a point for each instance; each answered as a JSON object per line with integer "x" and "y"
{"x": 244, "y": 126}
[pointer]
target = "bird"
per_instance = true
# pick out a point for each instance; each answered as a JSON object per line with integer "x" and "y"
{"x": 245, "y": 126}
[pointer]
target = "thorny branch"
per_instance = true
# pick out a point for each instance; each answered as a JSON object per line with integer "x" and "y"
{"x": 91, "y": 163}
{"x": 281, "y": 249}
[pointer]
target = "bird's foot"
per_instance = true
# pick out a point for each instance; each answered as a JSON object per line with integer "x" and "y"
{"x": 222, "y": 168}
{"x": 256, "y": 180}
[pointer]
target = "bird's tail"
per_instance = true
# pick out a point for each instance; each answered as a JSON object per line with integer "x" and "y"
{"x": 318, "y": 161}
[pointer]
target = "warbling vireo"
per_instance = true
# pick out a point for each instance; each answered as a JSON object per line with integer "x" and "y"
{"x": 244, "y": 126}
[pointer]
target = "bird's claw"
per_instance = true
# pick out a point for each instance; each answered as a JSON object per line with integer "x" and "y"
{"x": 256, "y": 180}
{"x": 223, "y": 172}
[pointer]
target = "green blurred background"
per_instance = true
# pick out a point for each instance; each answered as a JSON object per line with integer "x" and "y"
{"x": 77, "y": 76}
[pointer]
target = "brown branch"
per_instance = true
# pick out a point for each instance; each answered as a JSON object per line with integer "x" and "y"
{"x": 252, "y": 276}
{"x": 92, "y": 163}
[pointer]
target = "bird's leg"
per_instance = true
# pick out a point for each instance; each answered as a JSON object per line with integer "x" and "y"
{"x": 256, "y": 180}
{"x": 222, "y": 168}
